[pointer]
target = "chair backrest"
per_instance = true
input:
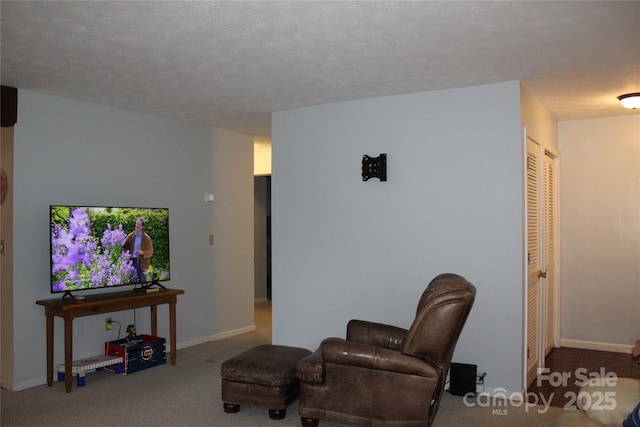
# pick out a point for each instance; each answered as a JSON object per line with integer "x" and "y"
{"x": 442, "y": 312}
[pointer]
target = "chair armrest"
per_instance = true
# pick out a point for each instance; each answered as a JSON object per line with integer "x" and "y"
{"x": 377, "y": 334}
{"x": 310, "y": 369}
{"x": 341, "y": 352}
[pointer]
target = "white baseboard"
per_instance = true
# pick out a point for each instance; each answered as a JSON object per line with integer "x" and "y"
{"x": 23, "y": 385}
{"x": 595, "y": 345}
{"x": 260, "y": 300}
{"x": 216, "y": 337}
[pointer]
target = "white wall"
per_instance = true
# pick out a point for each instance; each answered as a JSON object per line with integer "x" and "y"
{"x": 600, "y": 185}
{"x": 540, "y": 124}
{"x": 344, "y": 248}
{"x": 71, "y": 152}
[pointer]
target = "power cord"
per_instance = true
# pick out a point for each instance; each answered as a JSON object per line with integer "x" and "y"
{"x": 113, "y": 330}
{"x": 111, "y": 368}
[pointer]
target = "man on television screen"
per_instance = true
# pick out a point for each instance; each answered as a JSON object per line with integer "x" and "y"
{"x": 139, "y": 244}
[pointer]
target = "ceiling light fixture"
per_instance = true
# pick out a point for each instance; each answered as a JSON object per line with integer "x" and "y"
{"x": 630, "y": 100}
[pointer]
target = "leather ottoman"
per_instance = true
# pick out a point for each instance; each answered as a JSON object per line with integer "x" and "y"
{"x": 264, "y": 376}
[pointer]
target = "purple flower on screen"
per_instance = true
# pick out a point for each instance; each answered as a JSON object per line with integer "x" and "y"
{"x": 58, "y": 287}
{"x": 113, "y": 237}
{"x": 79, "y": 224}
{"x": 78, "y": 261}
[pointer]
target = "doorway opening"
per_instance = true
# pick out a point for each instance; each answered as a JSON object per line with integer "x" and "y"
{"x": 262, "y": 252}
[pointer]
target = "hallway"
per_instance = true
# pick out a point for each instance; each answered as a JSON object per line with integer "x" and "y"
{"x": 262, "y": 319}
{"x": 581, "y": 364}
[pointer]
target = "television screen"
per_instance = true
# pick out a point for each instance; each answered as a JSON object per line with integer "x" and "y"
{"x": 96, "y": 247}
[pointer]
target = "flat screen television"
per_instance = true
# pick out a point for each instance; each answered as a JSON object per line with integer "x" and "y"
{"x": 98, "y": 247}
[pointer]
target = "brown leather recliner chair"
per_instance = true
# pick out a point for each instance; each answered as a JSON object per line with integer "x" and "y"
{"x": 384, "y": 375}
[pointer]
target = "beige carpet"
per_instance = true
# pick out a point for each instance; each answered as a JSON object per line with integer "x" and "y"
{"x": 188, "y": 394}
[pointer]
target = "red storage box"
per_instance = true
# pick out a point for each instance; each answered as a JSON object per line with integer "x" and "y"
{"x": 148, "y": 351}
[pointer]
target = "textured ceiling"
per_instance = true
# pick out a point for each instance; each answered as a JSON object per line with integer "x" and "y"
{"x": 230, "y": 64}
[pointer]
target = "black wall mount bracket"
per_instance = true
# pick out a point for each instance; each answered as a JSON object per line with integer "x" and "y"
{"x": 374, "y": 167}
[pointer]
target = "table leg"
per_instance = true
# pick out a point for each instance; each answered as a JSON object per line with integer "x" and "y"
{"x": 172, "y": 331}
{"x": 154, "y": 320}
{"x": 49, "y": 350}
{"x": 68, "y": 354}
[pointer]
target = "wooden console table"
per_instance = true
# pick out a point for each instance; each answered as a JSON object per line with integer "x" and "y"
{"x": 104, "y": 303}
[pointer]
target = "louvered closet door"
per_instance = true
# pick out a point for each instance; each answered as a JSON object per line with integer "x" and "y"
{"x": 533, "y": 260}
{"x": 549, "y": 252}
{"x": 541, "y": 255}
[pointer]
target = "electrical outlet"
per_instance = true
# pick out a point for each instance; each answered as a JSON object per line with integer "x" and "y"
{"x": 107, "y": 324}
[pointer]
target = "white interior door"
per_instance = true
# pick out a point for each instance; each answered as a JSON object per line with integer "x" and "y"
{"x": 550, "y": 307}
{"x": 541, "y": 257}
{"x": 533, "y": 260}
